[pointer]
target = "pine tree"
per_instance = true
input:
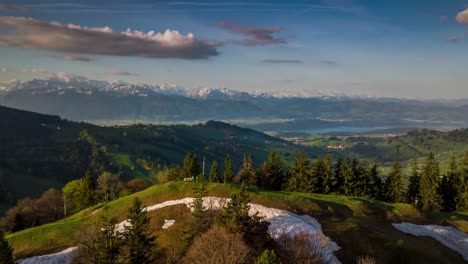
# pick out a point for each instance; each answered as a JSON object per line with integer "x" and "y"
{"x": 461, "y": 198}
{"x": 200, "y": 223}
{"x": 247, "y": 173}
{"x": 429, "y": 185}
{"x": 300, "y": 175}
{"x": 140, "y": 243}
{"x": 235, "y": 216}
{"x": 365, "y": 180}
{"x": 215, "y": 173}
{"x": 329, "y": 178}
{"x": 191, "y": 168}
{"x": 109, "y": 242}
{"x": 448, "y": 189}
{"x": 346, "y": 172}
{"x": 375, "y": 183}
{"x": 358, "y": 181}
{"x": 413, "y": 188}
{"x": 228, "y": 173}
{"x": 271, "y": 173}
{"x": 89, "y": 195}
{"x": 268, "y": 257}
{"x": 318, "y": 176}
{"x": 6, "y": 252}
{"x": 337, "y": 168}
{"x": 395, "y": 185}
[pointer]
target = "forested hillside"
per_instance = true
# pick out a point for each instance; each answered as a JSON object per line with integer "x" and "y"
{"x": 41, "y": 151}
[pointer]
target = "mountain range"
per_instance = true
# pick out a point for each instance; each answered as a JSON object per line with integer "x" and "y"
{"x": 78, "y": 98}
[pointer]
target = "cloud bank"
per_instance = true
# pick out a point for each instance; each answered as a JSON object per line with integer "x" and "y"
{"x": 35, "y": 34}
{"x": 13, "y": 8}
{"x": 282, "y": 61}
{"x": 77, "y": 58}
{"x": 254, "y": 36}
{"x": 462, "y": 17}
{"x": 122, "y": 73}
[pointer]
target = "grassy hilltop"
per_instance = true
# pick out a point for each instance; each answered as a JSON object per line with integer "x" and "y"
{"x": 360, "y": 226}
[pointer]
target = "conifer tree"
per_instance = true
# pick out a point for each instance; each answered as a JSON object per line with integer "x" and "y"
{"x": 235, "y": 216}
{"x": 413, "y": 187}
{"x": 300, "y": 175}
{"x": 6, "y": 252}
{"x": 228, "y": 173}
{"x": 247, "y": 173}
{"x": 191, "y": 167}
{"x": 109, "y": 243}
{"x": 329, "y": 178}
{"x": 346, "y": 173}
{"x": 337, "y": 168}
{"x": 375, "y": 183}
{"x": 395, "y": 185}
{"x": 365, "y": 180}
{"x": 201, "y": 222}
{"x": 429, "y": 185}
{"x": 140, "y": 243}
{"x": 318, "y": 176}
{"x": 268, "y": 257}
{"x": 215, "y": 173}
{"x": 448, "y": 189}
{"x": 461, "y": 198}
{"x": 271, "y": 174}
{"x": 358, "y": 181}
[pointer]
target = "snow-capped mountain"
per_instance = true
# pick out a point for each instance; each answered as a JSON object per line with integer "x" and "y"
{"x": 220, "y": 94}
{"x": 70, "y": 83}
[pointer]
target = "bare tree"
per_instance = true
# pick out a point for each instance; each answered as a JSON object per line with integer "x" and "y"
{"x": 218, "y": 246}
{"x": 303, "y": 248}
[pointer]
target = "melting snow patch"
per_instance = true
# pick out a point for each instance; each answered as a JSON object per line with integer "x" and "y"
{"x": 447, "y": 235}
{"x": 62, "y": 257}
{"x": 282, "y": 222}
{"x": 168, "y": 223}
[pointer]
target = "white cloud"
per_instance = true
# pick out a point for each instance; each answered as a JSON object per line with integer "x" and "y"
{"x": 35, "y": 34}
{"x": 462, "y": 17}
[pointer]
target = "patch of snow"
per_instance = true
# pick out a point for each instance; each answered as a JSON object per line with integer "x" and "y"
{"x": 63, "y": 257}
{"x": 282, "y": 222}
{"x": 168, "y": 223}
{"x": 447, "y": 235}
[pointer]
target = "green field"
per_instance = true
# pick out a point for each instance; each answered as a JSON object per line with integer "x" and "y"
{"x": 408, "y": 148}
{"x": 360, "y": 226}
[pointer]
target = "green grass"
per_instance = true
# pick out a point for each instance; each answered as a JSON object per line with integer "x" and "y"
{"x": 360, "y": 226}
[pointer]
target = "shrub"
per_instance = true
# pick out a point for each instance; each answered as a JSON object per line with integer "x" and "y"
{"x": 268, "y": 257}
{"x": 302, "y": 248}
{"x": 217, "y": 245}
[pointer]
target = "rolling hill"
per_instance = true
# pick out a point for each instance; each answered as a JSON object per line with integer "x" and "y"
{"x": 41, "y": 151}
{"x": 359, "y": 226}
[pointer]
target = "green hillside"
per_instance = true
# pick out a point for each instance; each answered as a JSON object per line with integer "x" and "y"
{"x": 408, "y": 148}
{"x": 360, "y": 226}
{"x": 42, "y": 151}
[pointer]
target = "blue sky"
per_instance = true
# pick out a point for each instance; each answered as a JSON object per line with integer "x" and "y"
{"x": 390, "y": 48}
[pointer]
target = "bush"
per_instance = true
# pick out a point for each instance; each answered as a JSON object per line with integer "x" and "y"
{"x": 217, "y": 245}
{"x": 302, "y": 248}
{"x": 268, "y": 257}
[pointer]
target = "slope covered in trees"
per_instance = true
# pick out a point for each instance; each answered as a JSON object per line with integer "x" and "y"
{"x": 41, "y": 151}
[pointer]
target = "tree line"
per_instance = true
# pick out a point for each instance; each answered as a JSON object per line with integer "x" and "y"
{"x": 425, "y": 188}
{"x": 75, "y": 196}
